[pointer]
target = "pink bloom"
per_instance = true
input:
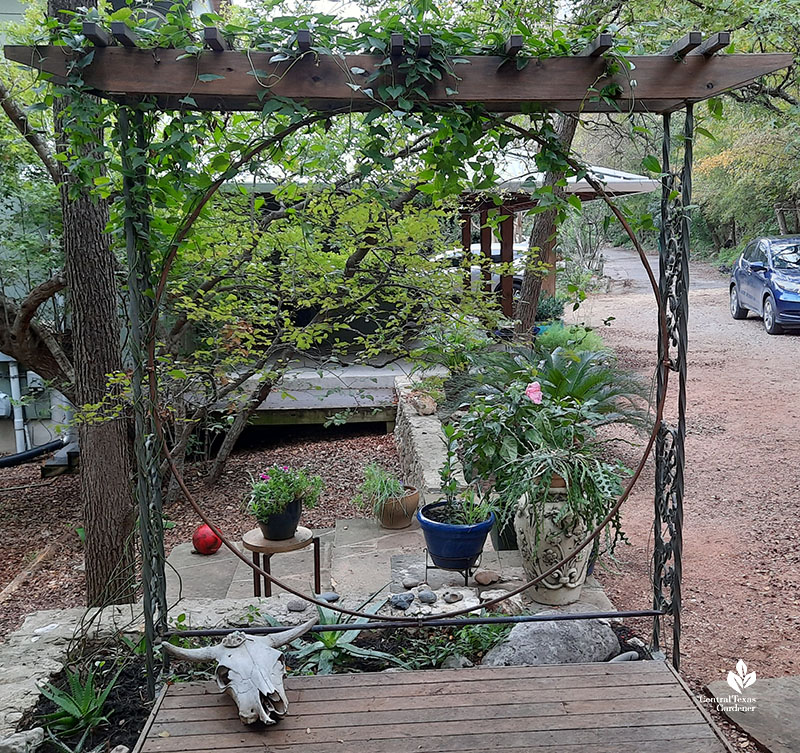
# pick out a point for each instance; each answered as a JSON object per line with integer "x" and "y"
{"x": 285, "y": 467}
{"x": 534, "y": 392}
{"x": 263, "y": 476}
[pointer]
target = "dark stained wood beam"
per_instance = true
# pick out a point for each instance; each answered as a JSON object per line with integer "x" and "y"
{"x": 303, "y": 37}
{"x": 600, "y": 44}
{"x": 125, "y": 36}
{"x": 685, "y": 44}
{"x": 96, "y": 34}
{"x": 424, "y": 45}
{"x": 714, "y": 43}
{"x": 513, "y": 45}
{"x": 213, "y": 39}
{"x": 562, "y": 83}
{"x": 396, "y": 45}
{"x": 486, "y": 251}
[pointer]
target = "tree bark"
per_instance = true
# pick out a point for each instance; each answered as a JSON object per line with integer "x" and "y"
{"x": 781, "y": 216}
{"x": 542, "y": 243}
{"x": 105, "y": 472}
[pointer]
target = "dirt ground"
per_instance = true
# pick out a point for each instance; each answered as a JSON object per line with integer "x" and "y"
{"x": 36, "y": 514}
{"x": 741, "y": 559}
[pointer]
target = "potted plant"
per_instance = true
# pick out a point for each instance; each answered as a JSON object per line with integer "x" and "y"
{"x": 541, "y": 454}
{"x": 276, "y": 499}
{"x": 552, "y": 519}
{"x": 455, "y": 528}
{"x": 392, "y": 503}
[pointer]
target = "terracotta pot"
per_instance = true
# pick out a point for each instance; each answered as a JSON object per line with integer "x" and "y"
{"x": 555, "y": 541}
{"x": 398, "y": 513}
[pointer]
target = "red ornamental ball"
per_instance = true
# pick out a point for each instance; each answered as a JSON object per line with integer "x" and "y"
{"x": 205, "y": 541}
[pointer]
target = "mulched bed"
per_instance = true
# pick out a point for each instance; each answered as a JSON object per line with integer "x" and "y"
{"x": 127, "y": 710}
{"x": 36, "y": 513}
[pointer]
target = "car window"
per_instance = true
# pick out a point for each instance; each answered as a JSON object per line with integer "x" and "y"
{"x": 786, "y": 256}
{"x": 748, "y": 252}
{"x": 760, "y": 254}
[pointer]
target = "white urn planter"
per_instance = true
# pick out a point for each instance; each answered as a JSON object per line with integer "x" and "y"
{"x": 556, "y": 540}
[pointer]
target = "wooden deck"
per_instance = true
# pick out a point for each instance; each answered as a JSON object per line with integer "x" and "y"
{"x": 629, "y": 707}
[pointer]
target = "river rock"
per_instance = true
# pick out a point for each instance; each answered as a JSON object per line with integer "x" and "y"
{"x": 329, "y": 596}
{"x": 456, "y": 661}
{"x": 451, "y": 597}
{"x": 426, "y": 596}
{"x": 401, "y": 601}
{"x": 297, "y": 605}
{"x": 568, "y": 642}
{"x": 486, "y": 577}
{"x": 23, "y": 742}
{"x": 411, "y": 582}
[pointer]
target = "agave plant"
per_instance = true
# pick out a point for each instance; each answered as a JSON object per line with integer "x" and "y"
{"x": 332, "y": 649}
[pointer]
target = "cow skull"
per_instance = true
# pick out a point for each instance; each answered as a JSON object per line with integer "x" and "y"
{"x": 250, "y": 670}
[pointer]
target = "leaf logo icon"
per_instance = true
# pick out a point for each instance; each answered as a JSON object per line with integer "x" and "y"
{"x": 741, "y": 679}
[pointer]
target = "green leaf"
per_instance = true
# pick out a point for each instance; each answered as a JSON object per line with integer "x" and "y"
{"x": 651, "y": 164}
{"x": 209, "y": 77}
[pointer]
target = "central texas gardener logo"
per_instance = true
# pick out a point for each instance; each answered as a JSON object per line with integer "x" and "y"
{"x": 741, "y": 679}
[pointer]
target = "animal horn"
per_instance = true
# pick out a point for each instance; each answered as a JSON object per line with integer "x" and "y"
{"x": 205, "y": 653}
{"x": 287, "y": 636}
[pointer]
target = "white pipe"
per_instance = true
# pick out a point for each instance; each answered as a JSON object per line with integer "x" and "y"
{"x": 16, "y": 406}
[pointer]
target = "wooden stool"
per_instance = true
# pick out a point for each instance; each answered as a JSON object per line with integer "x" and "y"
{"x": 255, "y": 542}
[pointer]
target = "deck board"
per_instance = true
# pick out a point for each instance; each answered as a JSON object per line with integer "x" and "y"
{"x": 625, "y": 707}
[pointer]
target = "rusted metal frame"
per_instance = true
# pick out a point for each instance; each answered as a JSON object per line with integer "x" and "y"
{"x": 416, "y": 624}
{"x": 670, "y": 445}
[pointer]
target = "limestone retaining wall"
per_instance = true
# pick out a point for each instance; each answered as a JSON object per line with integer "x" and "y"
{"x": 420, "y": 445}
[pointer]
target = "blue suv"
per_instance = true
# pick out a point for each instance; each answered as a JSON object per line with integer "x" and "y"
{"x": 766, "y": 280}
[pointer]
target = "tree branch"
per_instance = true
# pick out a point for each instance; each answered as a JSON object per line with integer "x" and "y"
{"x": 22, "y": 124}
{"x": 30, "y": 305}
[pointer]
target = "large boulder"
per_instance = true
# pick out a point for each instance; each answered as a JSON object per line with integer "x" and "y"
{"x": 568, "y": 642}
{"x": 23, "y": 742}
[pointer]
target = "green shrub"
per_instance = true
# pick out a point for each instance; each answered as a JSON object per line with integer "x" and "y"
{"x": 574, "y": 337}
{"x": 549, "y": 308}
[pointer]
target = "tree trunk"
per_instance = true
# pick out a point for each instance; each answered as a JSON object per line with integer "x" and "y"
{"x": 106, "y": 493}
{"x": 542, "y": 243}
{"x": 257, "y": 396}
{"x": 781, "y": 216}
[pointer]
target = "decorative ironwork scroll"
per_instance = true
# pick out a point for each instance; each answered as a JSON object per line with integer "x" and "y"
{"x": 146, "y": 454}
{"x": 670, "y": 457}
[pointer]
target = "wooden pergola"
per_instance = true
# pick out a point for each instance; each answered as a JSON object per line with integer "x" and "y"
{"x": 689, "y": 71}
{"x": 223, "y": 79}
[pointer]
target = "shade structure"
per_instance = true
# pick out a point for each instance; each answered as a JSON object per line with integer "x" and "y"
{"x": 227, "y": 80}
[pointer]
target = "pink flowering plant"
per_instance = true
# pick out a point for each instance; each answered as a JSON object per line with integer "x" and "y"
{"x": 516, "y": 439}
{"x": 272, "y": 490}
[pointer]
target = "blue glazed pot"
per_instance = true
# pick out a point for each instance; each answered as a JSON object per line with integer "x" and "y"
{"x": 453, "y": 547}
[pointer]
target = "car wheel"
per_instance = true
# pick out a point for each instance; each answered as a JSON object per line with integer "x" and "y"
{"x": 770, "y": 323}
{"x": 737, "y": 311}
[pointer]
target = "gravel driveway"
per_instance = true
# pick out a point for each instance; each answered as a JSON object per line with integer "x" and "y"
{"x": 742, "y": 535}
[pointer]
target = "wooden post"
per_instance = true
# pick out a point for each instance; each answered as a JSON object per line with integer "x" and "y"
{"x": 507, "y": 257}
{"x": 466, "y": 249}
{"x": 486, "y": 251}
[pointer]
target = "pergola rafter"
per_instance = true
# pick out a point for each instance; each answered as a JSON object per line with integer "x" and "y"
{"x": 244, "y": 80}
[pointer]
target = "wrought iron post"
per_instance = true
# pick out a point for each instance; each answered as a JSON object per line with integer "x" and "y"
{"x": 140, "y": 313}
{"x": 670, "y": 458}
